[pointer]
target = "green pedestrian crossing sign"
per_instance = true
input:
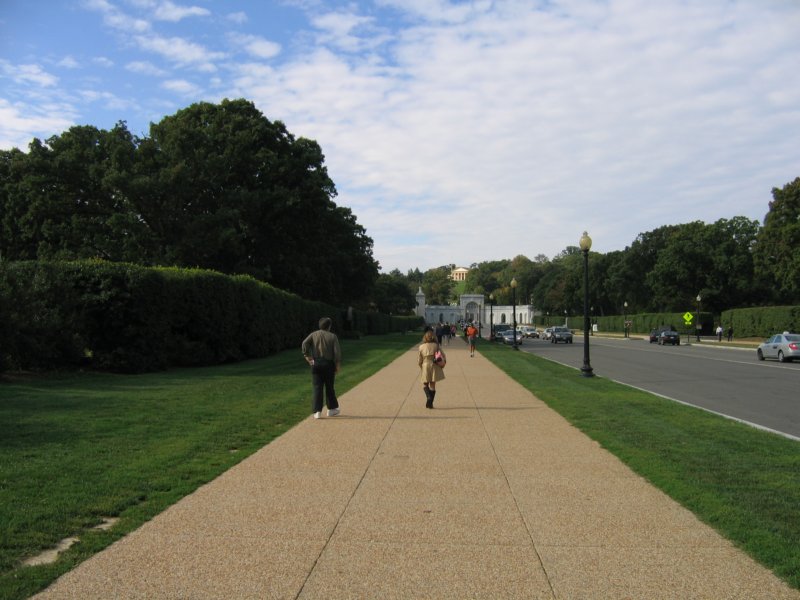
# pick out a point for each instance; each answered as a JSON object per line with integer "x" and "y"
{"x": 688, "y": 318}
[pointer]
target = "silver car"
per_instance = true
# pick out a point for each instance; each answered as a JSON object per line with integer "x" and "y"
{"x": 783, "y": 346}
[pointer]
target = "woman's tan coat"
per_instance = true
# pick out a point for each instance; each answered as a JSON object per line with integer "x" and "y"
{"x": 429, "y": 371}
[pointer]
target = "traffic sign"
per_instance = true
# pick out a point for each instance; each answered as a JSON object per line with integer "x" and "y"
{"x": 688, "y": 318}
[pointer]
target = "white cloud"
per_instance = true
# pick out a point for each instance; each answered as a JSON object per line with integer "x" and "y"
{"x": 256, "y": 46}
{"x": 68, "y": 62}
{"x": 103, "y": 61}
{"x": 346, "y": 31}
{"x": 168, "y": 11}
{"x": 182, "y": 87}
{"x": 180, "y": 51}
{"x": 240, "y": 18}
{"x": 21, "y": 122}
{"x": 27, "y": 74}
{"x": 145, "y": 68}
{"x": 116, "y": 19}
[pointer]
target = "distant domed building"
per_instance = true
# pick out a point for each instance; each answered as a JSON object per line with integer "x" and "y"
{"x": 459, "y": 274}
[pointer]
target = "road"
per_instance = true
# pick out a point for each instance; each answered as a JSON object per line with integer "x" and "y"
{"x": 724, "y": 380}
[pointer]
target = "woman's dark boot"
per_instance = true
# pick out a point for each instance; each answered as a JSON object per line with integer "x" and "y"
{"x": 429, "y": 396}
{"x": 430, "y": 403}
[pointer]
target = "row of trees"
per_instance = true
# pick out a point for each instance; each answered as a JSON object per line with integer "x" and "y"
{"x": 216, "y": 186}
{"x": 221, "y": 187}
{"x": 731, "y": 263}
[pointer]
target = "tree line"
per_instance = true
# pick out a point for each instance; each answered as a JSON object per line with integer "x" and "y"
{"x": 215, "y": 186}
{"x": 731, "y": 263}
{"x": 221, "y": 187}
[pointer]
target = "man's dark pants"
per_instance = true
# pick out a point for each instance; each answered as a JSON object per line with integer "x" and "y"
{"x": 323, "y": 376}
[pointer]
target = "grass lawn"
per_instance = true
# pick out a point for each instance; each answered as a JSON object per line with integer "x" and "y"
{"x": 742, "y": 481}
{"x": 83, "y": 446}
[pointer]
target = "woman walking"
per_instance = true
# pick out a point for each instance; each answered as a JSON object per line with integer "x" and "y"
{"x": 430, "y": 371}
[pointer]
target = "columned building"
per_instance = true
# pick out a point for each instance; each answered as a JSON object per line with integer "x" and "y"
{"x": 473, "y": 308}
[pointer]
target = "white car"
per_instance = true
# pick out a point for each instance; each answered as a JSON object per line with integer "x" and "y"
{"x": 548, "y": 333}
{"x": 528, "y": 331}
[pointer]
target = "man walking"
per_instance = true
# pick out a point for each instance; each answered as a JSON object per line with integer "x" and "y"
{"x": 322, "y": 351}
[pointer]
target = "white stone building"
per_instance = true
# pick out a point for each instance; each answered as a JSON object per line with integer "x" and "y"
{"x": 473, "y": 308}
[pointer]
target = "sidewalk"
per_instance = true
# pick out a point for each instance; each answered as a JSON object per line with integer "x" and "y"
{"x": 489, "y": 495}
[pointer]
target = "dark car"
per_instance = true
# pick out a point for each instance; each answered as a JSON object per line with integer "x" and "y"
{"x": 561, "y": 334}
{"x": 668, "y": 336}
{"x": 656, "y": 333}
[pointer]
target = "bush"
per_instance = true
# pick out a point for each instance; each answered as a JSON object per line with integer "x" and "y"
{"x": 130, "y": 318}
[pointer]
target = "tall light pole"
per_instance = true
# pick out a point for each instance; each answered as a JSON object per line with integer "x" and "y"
{"x": 514, "y": 311}
{"x": 491, "y": 317}
{"x": 586, "y": 244}
{"x": 625, "y": 319}
{"x": 699, "y": 325}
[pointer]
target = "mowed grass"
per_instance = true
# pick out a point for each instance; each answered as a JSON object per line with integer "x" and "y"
{"x": 743, "y": 482}
{"x": 77, "y": 448}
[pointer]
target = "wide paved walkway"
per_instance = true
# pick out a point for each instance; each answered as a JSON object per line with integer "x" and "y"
{"x": 489, "y": 495}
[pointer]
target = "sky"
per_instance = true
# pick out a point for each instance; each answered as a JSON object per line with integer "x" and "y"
{"x": 456, "y": 131}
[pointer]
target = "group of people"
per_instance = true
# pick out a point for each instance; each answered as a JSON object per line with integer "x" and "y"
{"x": 719, "y": 333}
{"x": 323, "y": 353}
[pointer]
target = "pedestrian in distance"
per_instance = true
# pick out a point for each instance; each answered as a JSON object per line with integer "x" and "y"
{"x": 730, "y": 333}
{"x": 472, "y": 333}
{"x": 430, "y": 371}
{"x": 322, "y": 352}
{"x": 719, "y": 332}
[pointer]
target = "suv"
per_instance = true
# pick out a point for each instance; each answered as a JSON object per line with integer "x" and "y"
{"x": 561, "y": 334}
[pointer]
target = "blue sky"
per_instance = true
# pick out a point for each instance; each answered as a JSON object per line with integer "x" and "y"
{"x": 456, "y": 131}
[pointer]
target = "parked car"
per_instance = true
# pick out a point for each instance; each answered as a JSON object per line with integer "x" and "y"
{"x": 561, "y": 334}
{"x": 668, "y": 336}
{"x": 655, "y": 333}
{"x": 507, "y": 337}
{"x": 528, "y": 331}
{"x": 547, "y": 333}
{"x": 783, "y": 346}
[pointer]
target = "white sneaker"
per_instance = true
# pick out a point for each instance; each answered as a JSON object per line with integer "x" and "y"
{"x": 332, "y": 412}
{"x": 317, "y": 415}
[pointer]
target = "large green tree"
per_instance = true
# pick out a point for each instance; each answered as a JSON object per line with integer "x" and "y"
{"x": 438, "y": 286}
{"x": 217, "y": 186}
{"x": 776, "y": 252}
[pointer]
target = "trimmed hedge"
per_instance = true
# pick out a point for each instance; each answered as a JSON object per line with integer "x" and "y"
{"x": 645, "y": 322}
{"x": 762, "y": 322}
{"x": 129, "y": 318}
{"x": 746, "y": 322}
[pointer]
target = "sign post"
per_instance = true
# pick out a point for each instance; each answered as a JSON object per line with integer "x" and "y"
{"x": 687, "y": 319}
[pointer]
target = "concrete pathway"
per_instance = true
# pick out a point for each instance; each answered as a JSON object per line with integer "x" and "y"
{"x": 489, "y": 495}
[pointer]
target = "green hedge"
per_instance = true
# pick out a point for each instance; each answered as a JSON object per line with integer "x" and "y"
{"x": 129, "y": 318}
{"x": 746, "y": 322}
{"x": 762, "y": 322}
{"x": 643, "y": 323}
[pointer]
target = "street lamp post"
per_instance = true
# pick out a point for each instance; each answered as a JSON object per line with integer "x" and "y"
{"x": 491, "y": 317}
{"x": 514, "y": 311}
{"x": 586, "y": 244}
{"x": 625, "y": 319}
{"x": 699, "y": 325}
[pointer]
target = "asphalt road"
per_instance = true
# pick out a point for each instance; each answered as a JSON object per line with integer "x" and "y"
{"x": 728, "y": 381}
